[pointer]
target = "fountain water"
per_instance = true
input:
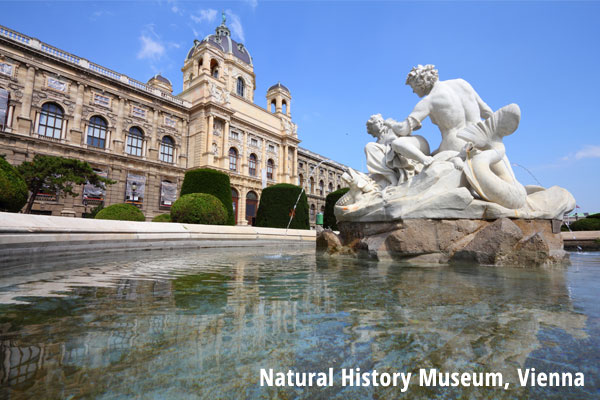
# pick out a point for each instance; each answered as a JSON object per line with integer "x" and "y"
{"x": 293, "y": 213}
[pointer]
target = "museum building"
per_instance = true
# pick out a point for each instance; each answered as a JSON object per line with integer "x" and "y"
{"x": 144, "y": 137}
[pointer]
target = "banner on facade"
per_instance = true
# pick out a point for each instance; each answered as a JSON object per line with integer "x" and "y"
{"x": 168, "y": 193}
{"x": 93, "y": 192}
{"x": 4, "y": 98}
{"x": 136, "y": 186}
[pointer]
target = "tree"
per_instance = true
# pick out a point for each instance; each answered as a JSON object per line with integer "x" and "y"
{"x": 57, "y": 175}
{"x": 13, "y": 190}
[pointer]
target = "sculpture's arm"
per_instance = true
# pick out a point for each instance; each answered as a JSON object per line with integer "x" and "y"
{"x": 413, "y": 122}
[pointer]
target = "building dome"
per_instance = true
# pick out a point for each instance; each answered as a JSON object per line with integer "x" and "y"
{"x": 278, "y": 85}
{"x": 222, "y": 40}
{"x": 161, "y": 78}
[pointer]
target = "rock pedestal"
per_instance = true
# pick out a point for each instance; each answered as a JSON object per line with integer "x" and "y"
{"x": 504, "y": 241}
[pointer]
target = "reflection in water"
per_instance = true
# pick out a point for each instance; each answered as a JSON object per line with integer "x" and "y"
{"x": 202, "y": 324}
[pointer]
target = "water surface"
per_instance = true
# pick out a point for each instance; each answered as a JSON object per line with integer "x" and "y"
{"x": 201, "y": 324}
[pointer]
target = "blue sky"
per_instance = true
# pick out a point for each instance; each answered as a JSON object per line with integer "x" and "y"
{"x": 344, "y": 61}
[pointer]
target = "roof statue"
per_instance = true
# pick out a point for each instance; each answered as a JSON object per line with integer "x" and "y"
{"x": 469, "y": 176}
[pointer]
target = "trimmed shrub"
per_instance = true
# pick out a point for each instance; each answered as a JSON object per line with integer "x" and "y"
{"x": 92, "y": 214}
{"x": 277, "y": 204}
{"x": 162, "y": 218}
{"x": 13, "y": 189}
{"x": 206, "y": 180}
{"x": 596, "y": 216}
{"x": 586, "y": 224}
{"x": 329, "y": 220}
{"x": 199, "y": 208}
{"x": 121, "y": 212}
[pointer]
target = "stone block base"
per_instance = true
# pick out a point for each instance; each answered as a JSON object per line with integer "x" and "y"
{"x": 503, "y": 241}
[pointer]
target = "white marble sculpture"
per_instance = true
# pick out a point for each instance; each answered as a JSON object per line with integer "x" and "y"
{"x": 468, "y": 176}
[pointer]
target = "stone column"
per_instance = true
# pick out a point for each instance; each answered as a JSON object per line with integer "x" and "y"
{"x": 185, "y": 150}
{"x": 75, "y": 135}
{"x": 286, "y": 164}
{"x": 263, "y": 157}
{"x": 209, "y": 138}
{"x": 119, "y": 140}
{"x": 152, "y": 142}
{"x": 206, "y": 63}
{"x": 278, "y": 103}
{"x": 244, "y": 156}
{"x": 224, "y": 149}
{"x": 24, "y": 119}
{"x": 295, "y": 166}
{"x": 242, "y": 206}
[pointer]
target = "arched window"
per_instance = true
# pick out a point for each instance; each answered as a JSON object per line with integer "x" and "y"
{"x": 338, "y": 187}
{"x": 241, "y": 86}
{"x": 321, "y": 186}
{"x": 270, "y": 168}
{"x": 330, "y": 188}
{"x": 284, "y": 107}
{"x": 301, "y": 180}
{"x": 234, "y": 200}
{"x": 312, "y": 211}
{"x": 273, "y": 106}
{"x": 233, "y": 158}
{"x": 322, "y": 209}
{"x": 251, "y": 205}
{"x": 167, "y": 147}
{"x": 51, "y": 121}
{"x": 252, "y": 164}
{"x": 214, "y": 68}
{"x": 312, "y": 185}
{"x": 96, "y": 136}
{"x": 135, "y": 141}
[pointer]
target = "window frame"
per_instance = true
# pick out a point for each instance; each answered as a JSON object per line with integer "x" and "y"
{"x": 233, "y": 159}
{"x": 135, "y": 142}
{"x": 45, "y": 115}
{"x": 167, "y": 150}
{"x": 101, "y": 130}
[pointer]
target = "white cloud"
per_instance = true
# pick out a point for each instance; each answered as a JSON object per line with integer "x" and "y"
{"x": 235, "y": 25}
{"x": 252, "y": 3}
{"x": 588, "y": 151}
{"x": 207, "y": 15}
{"x": 175, "y": 9}
{"x": 151, "y": 49}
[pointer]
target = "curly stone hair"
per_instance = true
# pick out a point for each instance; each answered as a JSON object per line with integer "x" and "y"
{"x": 423, "y": 76}
{"x": 372, "y": 127}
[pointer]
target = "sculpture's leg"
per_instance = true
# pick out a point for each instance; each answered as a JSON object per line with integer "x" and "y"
{"x": 413, "y": 147}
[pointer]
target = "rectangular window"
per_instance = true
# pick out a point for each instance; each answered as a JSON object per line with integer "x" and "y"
{"x": 254, "y": 142}
{"x": 233, "y": 135}
{"x": 56, "y": 84}
{"x": 101, "y": 100}
{"x": 272, "y": 148}
{"x": 6, "y": 69}
{"x": 138, "y": 112}
{"x": 170, "y": 122}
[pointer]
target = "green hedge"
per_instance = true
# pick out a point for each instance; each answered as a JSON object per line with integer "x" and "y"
{"x": 162, "y": 218}
{"x": 586, "y": 224}
{"x": 121, "y": 212}
{"x": 205, "y": 180}
{"x": 13, "y": 189}
{"x": 199, "y": 208}
{"x": 329, "y": 220}
{"x": 276, "y": 205}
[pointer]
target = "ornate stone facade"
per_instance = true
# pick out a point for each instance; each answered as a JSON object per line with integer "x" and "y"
{"x": 132, "y": 132}
{"x": 319, "y": 176}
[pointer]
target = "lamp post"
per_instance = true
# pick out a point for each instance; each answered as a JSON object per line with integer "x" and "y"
{"x": 133, "y": 191}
